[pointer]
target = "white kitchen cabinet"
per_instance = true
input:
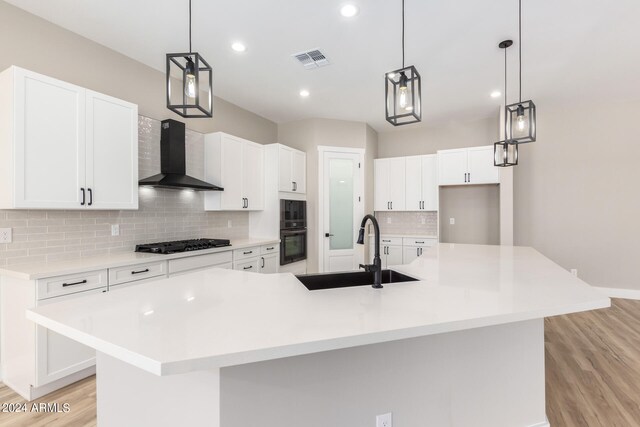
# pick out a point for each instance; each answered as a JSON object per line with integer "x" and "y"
{"x": 292, "y": 170}
{"x": 467, "y": 166}
{"x": 389, "y": 184}
{"x": 237, "y": 165}
{"x": 389, "y": 254}
{"x": 65, "y": 147}
{"x": 268, "y": 264}
{"x": 58, "y": 356}
{"x": 421, "y": 183}
{"x": 409, "y": 254}
{"x": 250, "y": 265}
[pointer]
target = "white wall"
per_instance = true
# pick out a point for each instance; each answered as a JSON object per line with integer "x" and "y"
{"x": 576, "y": 191}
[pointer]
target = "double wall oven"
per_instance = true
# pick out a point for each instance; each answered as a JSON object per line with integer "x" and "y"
{"x": 293, "y": 231}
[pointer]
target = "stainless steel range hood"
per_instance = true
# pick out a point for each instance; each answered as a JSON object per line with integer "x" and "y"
{"x": 172, "y": 162}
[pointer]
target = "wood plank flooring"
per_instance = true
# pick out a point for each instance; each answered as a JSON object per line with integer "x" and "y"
{"x": 592, "y": 364}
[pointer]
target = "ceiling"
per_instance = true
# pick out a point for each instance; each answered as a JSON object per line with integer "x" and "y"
{"x": 574, "y": 50}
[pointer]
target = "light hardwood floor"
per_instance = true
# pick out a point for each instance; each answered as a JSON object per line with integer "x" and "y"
{"x": 592, "y": 363}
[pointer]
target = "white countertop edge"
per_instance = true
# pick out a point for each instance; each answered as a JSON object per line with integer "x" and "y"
{"x": 298, "y": 349}
{"x": 62, "y": 268}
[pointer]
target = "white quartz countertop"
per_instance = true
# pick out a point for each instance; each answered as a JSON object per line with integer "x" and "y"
{"x": 215, "y": 318}
{"x": 42, "y": 270}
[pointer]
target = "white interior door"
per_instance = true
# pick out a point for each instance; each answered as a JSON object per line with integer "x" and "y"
{"x": 342, "y": 210}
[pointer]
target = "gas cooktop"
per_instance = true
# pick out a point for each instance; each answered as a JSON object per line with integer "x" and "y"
{"x": 182, "y": 246}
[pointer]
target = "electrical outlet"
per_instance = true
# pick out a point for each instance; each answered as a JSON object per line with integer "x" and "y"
{"x": 452, "y": 221}
{"x": 384, "y": 420}
{"x": 5, "y": 235}
{"x": 229, "y": 223}
{"x": 574, "y": 271}
{"x": 115, "y": 229}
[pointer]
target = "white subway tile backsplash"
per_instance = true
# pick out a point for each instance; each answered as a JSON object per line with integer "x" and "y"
{"x": 40, "y": 236}
{"x": 408, "y": 223}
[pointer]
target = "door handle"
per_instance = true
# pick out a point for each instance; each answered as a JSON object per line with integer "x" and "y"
{"x": 83, "y": 197}
{"x": 90, "y": 197}
{"x": 328, "y": 235}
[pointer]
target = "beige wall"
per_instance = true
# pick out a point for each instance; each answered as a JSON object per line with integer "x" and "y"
{"x": 307, "y": 135}
{"x": 576, "y": 191}
{"x": 429, "y": 139}
{"x": 38, "y": 45}
{"x": 476, "y": 210}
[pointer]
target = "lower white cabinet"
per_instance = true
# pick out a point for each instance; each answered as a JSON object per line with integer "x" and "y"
{"x": 58, "y": 356}
{"x": 400, "y": 250}
{"x": 268, "y": 264}
{"x": 135, "y": 273}
{"x": 251, "y": 265}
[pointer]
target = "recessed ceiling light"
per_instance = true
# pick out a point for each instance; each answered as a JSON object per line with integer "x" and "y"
{"x": 349, "y": 10}
{"x": 496, "y": 94}
{"x": 238, "y": 47}
{"x": 304, "y": 93}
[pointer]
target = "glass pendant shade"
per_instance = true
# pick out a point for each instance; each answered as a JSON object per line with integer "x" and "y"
{"x": 192, "y": 95}
{"x": 521, "y": 122}
{"x": 505, "y": 154}
{"x": 403, "y": 96}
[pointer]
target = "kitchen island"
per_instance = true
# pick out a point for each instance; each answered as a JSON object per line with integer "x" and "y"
{"x": 462, "y": 346}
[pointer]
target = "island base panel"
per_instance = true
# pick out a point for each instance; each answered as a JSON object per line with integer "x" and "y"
{"x": 129, "y": 396}
{"x": 491, "y": 376}
{"x": 483, "y": 377}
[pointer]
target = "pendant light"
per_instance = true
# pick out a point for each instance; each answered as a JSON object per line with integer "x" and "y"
{"x": 195, "y": 97}
{"x": 505, "y": 153}
{"x": 521, "y": 117}
{"x": 402, "y": 91}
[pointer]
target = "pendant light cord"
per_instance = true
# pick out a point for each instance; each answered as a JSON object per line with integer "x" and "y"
{"x": 402, "y": 33}
{"x": 519, "y": 44}
{"x": 505, "y": 76}
{"x": 190, "y": 51}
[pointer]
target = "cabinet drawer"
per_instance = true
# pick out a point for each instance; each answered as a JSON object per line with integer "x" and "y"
{"x": 247, "y": 265}
{"x": 136, "y": 272}
{"x": 70, "y": 284}
{"x": 269, "y": 249}
{"x": 240, "y": 254}
{"x": 199, "y": 261}
{"x": 417, "y": 242}
{"x": 388, "y": 240}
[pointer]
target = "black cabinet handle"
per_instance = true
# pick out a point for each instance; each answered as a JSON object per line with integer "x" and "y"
{"x": 82, "y": 282}
{"x": 141, "y": 271}
{"x": 262, "y": 262}
{"x": 271, "y": 248}
{"x": 469, "y": 177}
{"x": 295, "y": 186}
{"x": 391, "y": 205}
{"x": 328, "y": 235}
{"x": 387, "y": 241}
{"x": 247, "y": 253}
{"x": 247, "y": 203}
{"x": 419, "y": 242}
{"x": 248, "y": 268}
{"x": 90, "y": 197}
{"x": 83, "y": 197}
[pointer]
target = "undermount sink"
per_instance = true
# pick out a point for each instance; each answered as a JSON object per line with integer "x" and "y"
{"x": 315, "y": 282}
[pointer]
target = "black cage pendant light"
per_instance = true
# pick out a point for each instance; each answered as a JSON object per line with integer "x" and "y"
{"x": 521, "y": 117}
{"x": 505, "y": 153}
{"x": 402, "y": 91}
{"x": 193, "y": 96}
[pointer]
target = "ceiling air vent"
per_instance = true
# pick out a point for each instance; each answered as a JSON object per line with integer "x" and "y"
{"x": 311, "y": 59}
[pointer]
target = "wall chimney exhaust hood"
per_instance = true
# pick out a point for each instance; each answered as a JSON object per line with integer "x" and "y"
{"x": 172, "y": 162}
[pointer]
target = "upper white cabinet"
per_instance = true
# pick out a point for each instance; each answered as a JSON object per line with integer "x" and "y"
{"x": 389, "y": 184}
{"x": 237, "y": 165}
{"x": 65, "y": 147}
{"x": 421, "y": 183}
{"x": 292, "y": 170}
{"x": 467, "y": 166}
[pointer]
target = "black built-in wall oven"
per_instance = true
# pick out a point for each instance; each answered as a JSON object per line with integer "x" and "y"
{"x": 293, "y": 231}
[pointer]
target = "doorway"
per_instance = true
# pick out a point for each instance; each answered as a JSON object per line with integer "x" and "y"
{"x": 341, "y": 200}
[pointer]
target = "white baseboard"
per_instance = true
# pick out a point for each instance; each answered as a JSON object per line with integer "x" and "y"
{"x": 542, "y": 424}
{"x": 620, "y": 293}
